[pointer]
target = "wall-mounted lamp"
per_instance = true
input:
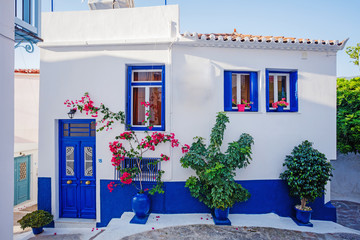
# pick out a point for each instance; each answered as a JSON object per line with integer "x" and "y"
{"x": 71, "y": 113}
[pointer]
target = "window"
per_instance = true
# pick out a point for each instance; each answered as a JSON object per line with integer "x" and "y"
{"x": 239, "y": 87}
{"x": 281, "y": 84}
{"x": 150, "y": 168}
{"x": 146, "y": 84}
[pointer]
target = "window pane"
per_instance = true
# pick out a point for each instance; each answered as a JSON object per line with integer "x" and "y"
{"x": 93, "y": 125}
{"x": 79, "y": 130}
{"x": 245, "y": 88}
{"x": 234, "y": 89}
{"x": 66, "y": 126}
{"x": 155, "y": 105}
{"x": 281, "y": 87}
{"x": 138, "y": 109}
{"x": 147, "y": 76}
{"x": 271, "y": 90}
{"x": 70, "y": 158}
{"x": 75, "y": 134}
{"x": 88, "y": 161}
{"x": 72, "y": 125}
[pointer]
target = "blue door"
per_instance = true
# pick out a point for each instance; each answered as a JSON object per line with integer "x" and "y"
{"x": 21, "y": 179}
{"x": 77, "y": 169}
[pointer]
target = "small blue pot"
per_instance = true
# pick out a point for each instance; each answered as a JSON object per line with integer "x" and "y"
{"x": 141, "y": 205}
{"x": 221, "y": 214}
{"x": 37, "y": 231}
{"x": 280, "y": 109}
{"x": 303, "y": 216}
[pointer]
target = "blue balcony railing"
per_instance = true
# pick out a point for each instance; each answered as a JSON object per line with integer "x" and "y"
{"x": 149, "y": 168}
{"x": 27, "y": 22}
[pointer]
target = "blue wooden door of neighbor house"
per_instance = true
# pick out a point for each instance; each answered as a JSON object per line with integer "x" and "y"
{"x": 77, "y": 169}
{"x": 21, "y": 179}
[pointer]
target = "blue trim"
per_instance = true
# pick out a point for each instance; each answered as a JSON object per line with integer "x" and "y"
{"x": 128, "y": 94}
{"x": 228, "y": 91}
{"x": 293, "y": 80}
{"x": 44, "y": 196}
{"x": 267, "y": 196}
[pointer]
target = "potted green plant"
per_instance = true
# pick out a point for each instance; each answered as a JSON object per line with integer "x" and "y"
{"x": 242, "y": 106}
{"x": 36, "y": 220}
{"x": 214, "y": 184}
{"x": 307, "y": 173}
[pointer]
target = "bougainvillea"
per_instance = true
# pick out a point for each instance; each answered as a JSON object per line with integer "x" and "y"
{"x": 136, "y": 147}
{"x": 281, "y": 103}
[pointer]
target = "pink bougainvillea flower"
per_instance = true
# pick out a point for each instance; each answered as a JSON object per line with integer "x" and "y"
{"x": 150, "y": 127}
{"x": 126, "y": 178}
{"x": 157, "y": 216}
{"x": 146, "y": 189}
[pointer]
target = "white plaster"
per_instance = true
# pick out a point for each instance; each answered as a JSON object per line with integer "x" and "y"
{"x": 7, "y": 119}
{"x": 194, "y": 91}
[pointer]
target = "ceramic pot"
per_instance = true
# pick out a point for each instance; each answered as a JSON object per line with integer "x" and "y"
{"x": 241, "y": 107}
{"x": 37, "y": 231}
{"x": 141, "y": 205}
{"x": 280, "y": 109}
{"x": 303, "y": 216}
{"x": 221, "y": 214}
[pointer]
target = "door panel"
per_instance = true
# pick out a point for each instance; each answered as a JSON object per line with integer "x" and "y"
{"x": 21, "y": 179}
{"x": 77, "y": 173}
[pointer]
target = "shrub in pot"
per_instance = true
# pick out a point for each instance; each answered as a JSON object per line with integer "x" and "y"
{"x": 307, "y": 174}
{"x": 36, "y": 220}
{"x": 214, "y": 183}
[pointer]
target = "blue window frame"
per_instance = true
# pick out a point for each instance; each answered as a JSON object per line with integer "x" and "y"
{"x": 238, "y": 86}
{"x": 282, "y": 84}
{"x": 146, "y": 84}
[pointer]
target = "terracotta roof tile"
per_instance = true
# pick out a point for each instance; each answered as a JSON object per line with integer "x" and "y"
{"x": 28, "y": 71}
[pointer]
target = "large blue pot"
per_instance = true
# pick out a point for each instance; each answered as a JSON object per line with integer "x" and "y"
{"x": 221, "y": 214}
{"x": 303, "y": 216}
{"x": 141, "y": 205}
{"x": 37, "y": 231}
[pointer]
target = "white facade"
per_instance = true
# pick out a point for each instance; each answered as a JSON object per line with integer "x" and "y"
{"x": 7, "y": 119}
{"x": 27, "y": 122}
{"x": 93, "y": 57}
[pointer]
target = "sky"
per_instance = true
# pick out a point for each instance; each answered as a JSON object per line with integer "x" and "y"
{"x": 313, "y": 19}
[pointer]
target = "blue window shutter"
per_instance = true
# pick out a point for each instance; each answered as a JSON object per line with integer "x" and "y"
{"x": 254, "y": 91}
{"x": 128, "y": 108}
{"x": 267, "y": 89}
{"x": 227, "y": 91}
{"x": 163, "y": 99}
{"x": 293, "y": 91}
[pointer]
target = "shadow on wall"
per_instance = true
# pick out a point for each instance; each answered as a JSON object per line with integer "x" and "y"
{"x": 345, "y": 184}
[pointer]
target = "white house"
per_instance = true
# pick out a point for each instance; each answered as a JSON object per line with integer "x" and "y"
{"x": 99, "y": 52}
{"x": 26, "y": 134}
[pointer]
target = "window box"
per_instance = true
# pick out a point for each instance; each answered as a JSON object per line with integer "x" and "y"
{"x": 281, "y": 84}
{"x": 238, "y": 86}
{"x": 146, "y": 84}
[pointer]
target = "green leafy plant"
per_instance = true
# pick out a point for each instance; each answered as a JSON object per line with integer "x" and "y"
{"x": 353, "y": 53}
{"x": 214, "y": 184}
{"x": 307, "y": 173}
{"x": 36, "y": 219}
{"x": 348, "y": 115}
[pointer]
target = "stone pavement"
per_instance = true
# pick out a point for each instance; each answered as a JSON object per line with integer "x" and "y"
{"x": 348, "y": 213}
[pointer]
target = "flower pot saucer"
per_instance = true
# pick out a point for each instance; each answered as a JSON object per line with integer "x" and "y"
{"x": 136, "y": 220}
{"x": 309, "y": 224}
{"x": 220, "y": 222}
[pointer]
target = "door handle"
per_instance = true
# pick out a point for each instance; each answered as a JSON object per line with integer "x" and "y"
{"x": 87, "y": 182}
{"x": 69, "y": 182}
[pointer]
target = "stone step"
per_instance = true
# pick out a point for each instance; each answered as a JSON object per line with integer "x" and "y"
{"x": 75, "y": 223}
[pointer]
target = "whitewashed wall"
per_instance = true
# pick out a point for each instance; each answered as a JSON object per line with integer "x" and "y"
{"x": 7, "y": 118}
{"x": 75, "y": 60}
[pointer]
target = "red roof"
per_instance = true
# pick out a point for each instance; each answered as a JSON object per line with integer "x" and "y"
{"x": 28, "y": 71}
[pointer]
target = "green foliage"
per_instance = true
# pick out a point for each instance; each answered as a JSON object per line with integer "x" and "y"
{"x": 214, "y": 184}
{"x": 353, "y": 53}
{"x": 348, "y": 115}
{"x": 307, "y": 172}
{"x": 38, "y": 218}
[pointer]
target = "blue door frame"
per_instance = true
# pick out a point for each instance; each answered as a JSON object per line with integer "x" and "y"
{"x": 21, "y": 179}
{"x": 77, "y": 168}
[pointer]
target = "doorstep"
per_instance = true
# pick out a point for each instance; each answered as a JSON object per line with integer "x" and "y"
{"x": 75, "y": 223}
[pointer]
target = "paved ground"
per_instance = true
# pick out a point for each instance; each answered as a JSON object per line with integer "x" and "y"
{"x": 348, "y": 213}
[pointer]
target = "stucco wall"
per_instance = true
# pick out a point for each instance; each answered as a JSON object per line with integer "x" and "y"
{"x": 7, "y": 119}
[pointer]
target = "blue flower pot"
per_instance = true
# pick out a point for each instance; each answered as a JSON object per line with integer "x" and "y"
{"x": 141, "y": 205}
{"x": 280, "y": 109}
{"x": 221, "y": 214}
{"x": 303, "y": 216}
{"x": 37, "y": 231}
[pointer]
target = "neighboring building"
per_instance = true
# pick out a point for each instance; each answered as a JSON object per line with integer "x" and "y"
{"x": 194, "y": 76}
{"x": 26, "y": 134}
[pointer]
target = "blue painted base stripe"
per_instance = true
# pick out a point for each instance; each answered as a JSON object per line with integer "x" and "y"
{"x": 44, "y": 196}
{"x": 267, "y": 196}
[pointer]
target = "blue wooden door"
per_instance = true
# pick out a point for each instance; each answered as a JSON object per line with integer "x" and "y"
{"x": 21, "y": 179}
{"x": 77, "y": 169}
